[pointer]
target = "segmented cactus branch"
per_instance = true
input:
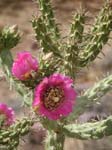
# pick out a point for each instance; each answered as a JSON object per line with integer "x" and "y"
{"x": 42, "y": 35}
{"x": 48, "y": 18}
{"x": 6, "y": 61}
{"x": 77, "y": 27}
{"x": 46, "y": 29}
{"x": 98, "y": 36}
{"x": 9, "y": 38}
{"x": 92, "y": 95}
{"x": 54, "y": 141}
{"x": 88, "y": 131}
{"x": 10, "y": 137}
{"x": 73, "y": 45}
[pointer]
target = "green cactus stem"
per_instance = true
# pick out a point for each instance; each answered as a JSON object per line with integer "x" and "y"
{"x": 98, "y": 37}
{"x": 88, "y": 131}
{"x": 54, "y": 141}
{"x": 42, "y": 35}
{"x": 48, "y": 45}
{"x": 77, "y": 27}
{"x": 9, "y": 137}
{"x": 6, "y": 61}
{"x": 48, "y": 18}
{"x": 72, "y": 47}
{"x": 92, "y": 95}
{"x": 46, "y": 29}
{"x": 9, "y": 38}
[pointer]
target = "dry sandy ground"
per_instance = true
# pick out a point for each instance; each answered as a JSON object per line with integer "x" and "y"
{"x": 20, "y": 12}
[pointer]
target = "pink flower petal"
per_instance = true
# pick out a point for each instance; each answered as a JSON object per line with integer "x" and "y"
{"x": 24, "y": 63}
{"x": 65, "y": 107}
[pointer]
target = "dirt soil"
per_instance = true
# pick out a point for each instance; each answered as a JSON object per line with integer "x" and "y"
{"x": 20, "y": 13}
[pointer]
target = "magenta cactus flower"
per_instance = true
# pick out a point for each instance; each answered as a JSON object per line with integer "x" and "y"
{"x": 54, "y": 97}
{"x": 24, "y": 64}
{"x": 6, "y": 115}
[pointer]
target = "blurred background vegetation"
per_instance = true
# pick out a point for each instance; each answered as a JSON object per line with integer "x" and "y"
{"x": 20, "y": 12}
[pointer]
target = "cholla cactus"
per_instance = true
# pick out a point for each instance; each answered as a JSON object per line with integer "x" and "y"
{"x": 47, "y": 83}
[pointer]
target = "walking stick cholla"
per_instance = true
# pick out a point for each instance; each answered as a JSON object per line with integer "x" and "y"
{"x": 47, "y": 83}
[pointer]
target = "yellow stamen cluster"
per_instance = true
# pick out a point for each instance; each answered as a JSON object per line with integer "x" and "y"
{"x": 53, "y": 97}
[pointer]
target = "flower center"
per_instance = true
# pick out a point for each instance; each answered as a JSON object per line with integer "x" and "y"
{"x": 53, "y": 97}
